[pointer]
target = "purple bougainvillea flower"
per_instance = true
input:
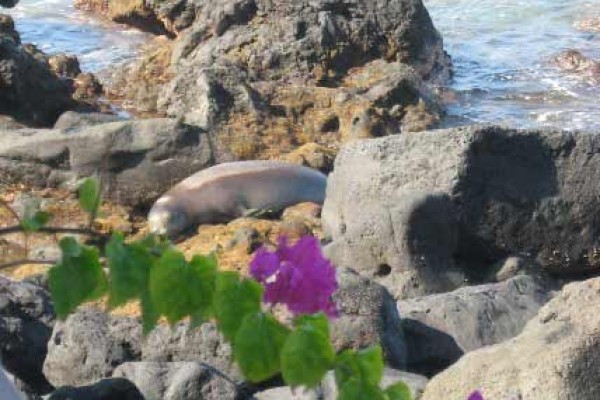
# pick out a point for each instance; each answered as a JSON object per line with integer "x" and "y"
{"x": 297, "y": 276}
{"x": 476, "y": 395}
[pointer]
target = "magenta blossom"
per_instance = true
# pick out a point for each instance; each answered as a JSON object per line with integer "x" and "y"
{"x": 297, "y": 276}
{"x": 476, "y": 395}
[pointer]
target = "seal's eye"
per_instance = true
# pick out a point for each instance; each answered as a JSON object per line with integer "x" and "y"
{"x": 177, "y": 222}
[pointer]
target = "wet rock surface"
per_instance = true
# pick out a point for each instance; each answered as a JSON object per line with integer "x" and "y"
{"x": 31, "y": 91}
{"x": 575, "y": 63}
{"x": 38, "y": 87}
{"x": 591, "y": 24}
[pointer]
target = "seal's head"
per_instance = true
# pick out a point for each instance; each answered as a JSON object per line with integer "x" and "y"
{"x": 166, "y": 218}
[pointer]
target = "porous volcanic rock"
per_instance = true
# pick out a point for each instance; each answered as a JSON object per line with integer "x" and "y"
{"x": 555, "y": 357}
{"x": 265, "y": 77}
{"x": 136, "y": 160}
{"x": 440, "y": 328}
{"x": 422, "y": 213}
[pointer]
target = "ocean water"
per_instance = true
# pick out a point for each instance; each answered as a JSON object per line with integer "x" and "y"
{"x": 501, "y": 51}
{"x": 500, "y": 48}
{"x": 55, "y": 26}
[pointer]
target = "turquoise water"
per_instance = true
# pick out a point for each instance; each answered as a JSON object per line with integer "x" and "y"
{"x": 500, "y": 49}
{"x": 55, "y": 26}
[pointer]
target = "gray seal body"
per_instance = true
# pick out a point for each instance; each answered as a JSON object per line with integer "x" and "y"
{"x": 231, "y": 190}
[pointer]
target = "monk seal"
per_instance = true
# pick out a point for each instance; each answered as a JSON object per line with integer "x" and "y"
{"x": 230, "y": 190}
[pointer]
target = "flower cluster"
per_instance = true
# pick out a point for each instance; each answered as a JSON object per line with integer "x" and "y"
{"x": 476, "y": 395}
{"x": 297, "y": 275}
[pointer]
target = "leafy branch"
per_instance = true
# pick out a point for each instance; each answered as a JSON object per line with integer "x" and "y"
{"x": 17, "y": 263}
{"x": 34, "y": 221}
{"x": 154, "y": 272}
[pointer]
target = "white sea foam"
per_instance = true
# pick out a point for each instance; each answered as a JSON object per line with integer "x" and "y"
{"x": 55, "y": 27}
{"x": 501, "y": 50}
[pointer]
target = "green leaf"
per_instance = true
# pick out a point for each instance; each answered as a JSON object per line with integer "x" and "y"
{"x": 307, "y": 354}
{"x": 149, "y": 314}
{"x": 36, "y": 221}
{"x": 234, "y": 299}
{"x": 77, "y": 278}
{"x": 365, "y": 365}
{"x": 257, "y": 346}
{"x": 155, "y": 244}
{"x": 398, "y": 391}
{"x": 129, "y": 266}
{"x": 202, "y": 288}
{"x": 89, "y": 195}
{"x": 179, "y": 289}
{"x": 356, "y": 389}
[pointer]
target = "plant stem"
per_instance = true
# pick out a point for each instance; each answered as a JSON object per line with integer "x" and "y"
{"x": 220, "y": 373}
{"x": 25, "y": 262}
{"x": 4, "y": 204}
{"x": 52, "y": 229}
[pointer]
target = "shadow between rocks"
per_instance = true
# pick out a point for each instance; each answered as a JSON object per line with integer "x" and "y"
{"x": 427, "y": 360}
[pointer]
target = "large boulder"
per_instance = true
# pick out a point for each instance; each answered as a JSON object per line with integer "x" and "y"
{"x": 26, "y": 321}
{"x": 293, "y": 38}
{"x": 423, "y": 212}
{"x": 440, "y": 328}
{"x": 264, "y": 77}
{"x": 557, "y": 356}
{"x": 89, "y": 345}
{"x": 31, "y": 91}
{"x": 136, "y": 160}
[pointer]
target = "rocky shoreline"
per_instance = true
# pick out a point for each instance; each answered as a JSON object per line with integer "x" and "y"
{"x": 37, "y": 88}
{"x": 470, "y": 254}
